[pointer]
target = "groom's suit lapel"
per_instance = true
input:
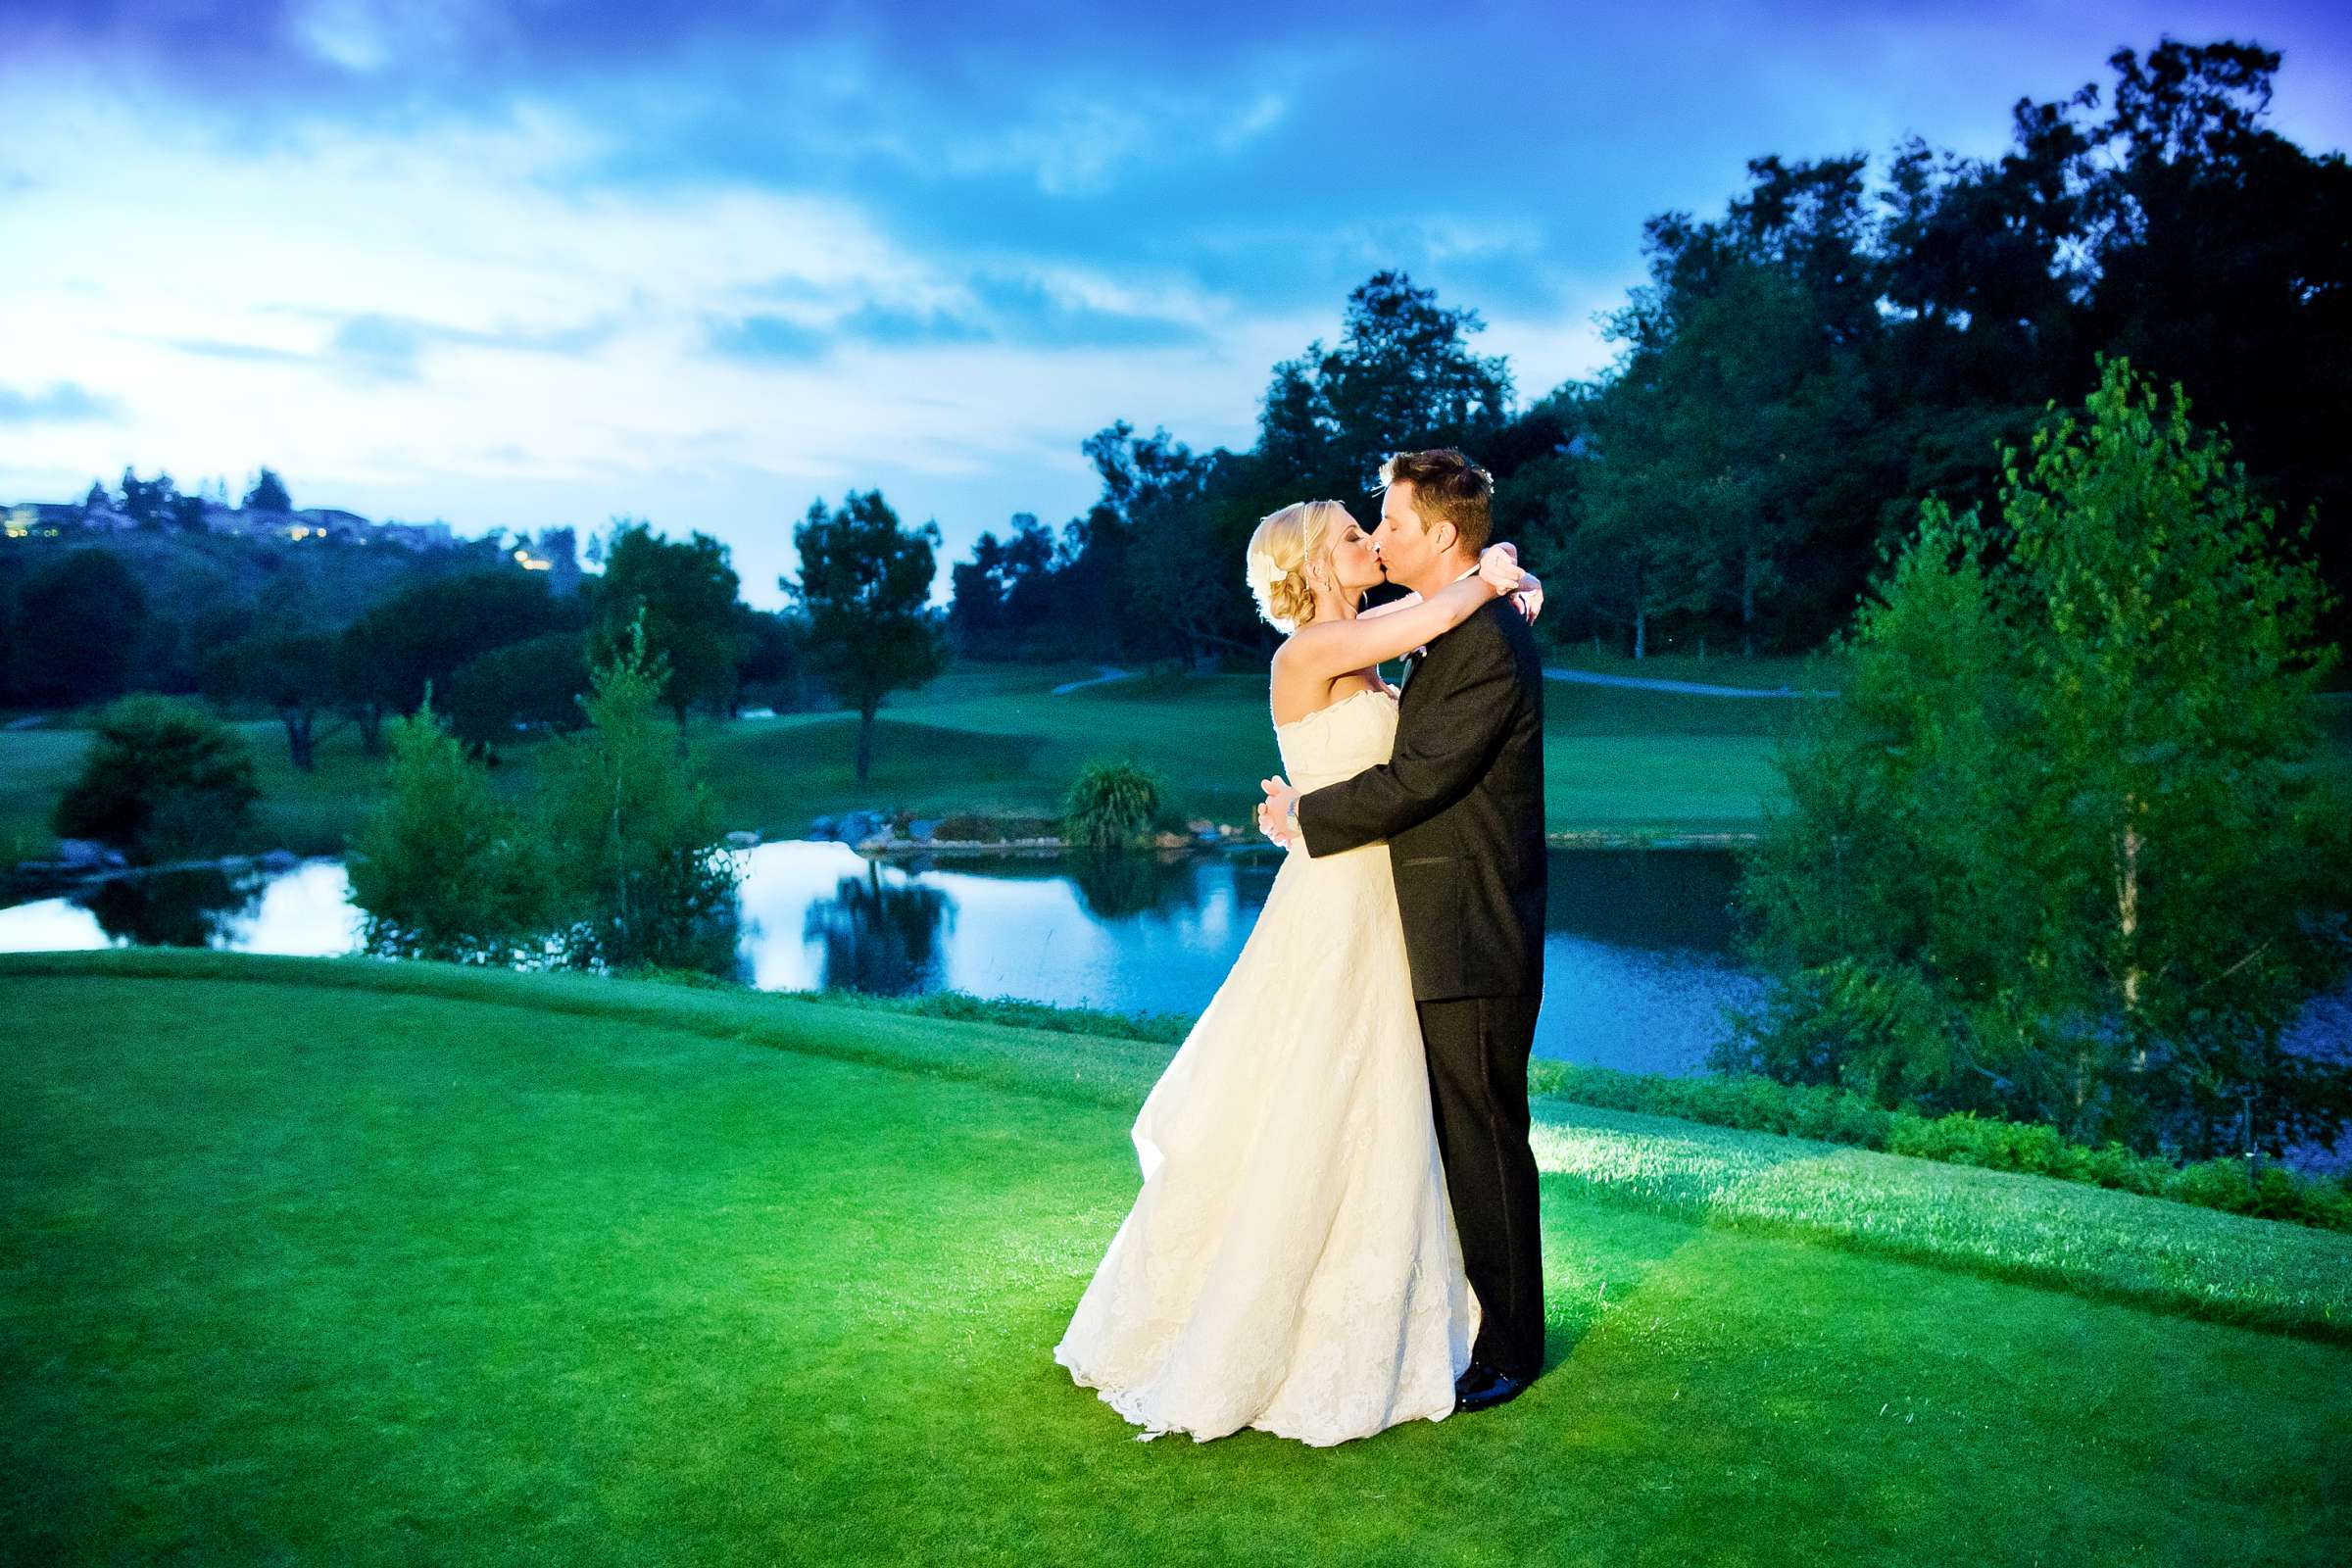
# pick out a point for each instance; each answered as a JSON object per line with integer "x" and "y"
{"x": 1412, "y": 662}
{"x": 1420, "y": 655}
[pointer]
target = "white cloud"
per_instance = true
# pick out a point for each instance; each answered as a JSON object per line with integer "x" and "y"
{"x": 458, "y": 230}
{"x": 1082, "y": 143}
{"x": 343, "y": 32}
{"x": 363, "y": 36}
{"x": 204, "y": 292}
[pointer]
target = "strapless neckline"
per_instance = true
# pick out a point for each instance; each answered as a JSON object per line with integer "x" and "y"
{"x": 1329, "y": 707}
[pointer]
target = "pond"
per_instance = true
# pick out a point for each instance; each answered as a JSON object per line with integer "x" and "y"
{"x": 1639, "y": 966}
{"x": 1638, "y": 962}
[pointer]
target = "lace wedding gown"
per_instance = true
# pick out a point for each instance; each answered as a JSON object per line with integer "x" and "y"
{"x": 1291, "y": 1262}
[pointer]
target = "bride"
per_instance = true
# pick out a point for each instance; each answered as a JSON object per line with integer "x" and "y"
{"x": 1291, "y": 1262}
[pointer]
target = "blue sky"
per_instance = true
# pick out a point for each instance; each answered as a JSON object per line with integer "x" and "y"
{"x": 530, "y": 262}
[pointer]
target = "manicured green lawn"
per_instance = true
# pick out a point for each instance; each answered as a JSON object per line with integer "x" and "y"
{"x": 36, "y": 767}
{"x": 1799, "y": 673}
{"x": 992, "y": 737}
{"x": 339, "y": 1260}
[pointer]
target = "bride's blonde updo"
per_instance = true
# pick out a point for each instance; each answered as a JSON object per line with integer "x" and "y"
{"x": 1284, "y": 544}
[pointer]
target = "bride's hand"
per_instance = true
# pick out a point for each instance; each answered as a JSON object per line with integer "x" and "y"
{"x": 1498, "y": 568}
{"x": 1529, "y": 596}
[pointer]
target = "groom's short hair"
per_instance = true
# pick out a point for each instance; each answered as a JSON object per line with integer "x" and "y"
{"x": 1447, "y": 487}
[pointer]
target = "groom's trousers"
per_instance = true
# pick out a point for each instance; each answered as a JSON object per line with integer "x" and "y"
{"x": 1477, "y": 1048}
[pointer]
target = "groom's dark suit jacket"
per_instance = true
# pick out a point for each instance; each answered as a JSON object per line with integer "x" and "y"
{"x": 1461, "y": 801}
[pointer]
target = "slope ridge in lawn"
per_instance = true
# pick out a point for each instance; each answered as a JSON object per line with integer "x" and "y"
{"x": 2034, "y": 1228}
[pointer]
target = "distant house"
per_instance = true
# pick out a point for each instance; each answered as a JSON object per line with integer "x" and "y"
{"x": 249, "y": 522}
{"x": 325, "y": 520}
{"x": 41, "y": 519}
{"x": 416, "y": 535}
{"x": 27, "y": 520}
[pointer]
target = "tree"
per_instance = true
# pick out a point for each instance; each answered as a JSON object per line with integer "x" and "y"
{"x": 865, "y": 583}
{"x": 535, "y": 683}
{"x": 424, "y": 632}
{"x": 364, "y": 691}
{"x": 772, "y": 665}
{"x": 1402, "y": 377}
{"x": 1979, "y": 261}
{"x": 976, "y": 597}
{"x": 80, "y": 622}
{"x": 686, "y": 591}
{"x": 162, "y": 778}
{"x": 1638, "y": 547}
{"x": 2175, "y": 661}
{"x": 294, "y": 672}
{"x": 148, "y": 502}
{"x": 1179, "y": 589}
{"x": 1733, "y": 432}
{"x": 2220, "y": 262}
{"x": 2059, "y": 852}
{"x": 444, "y": 868}
{"x": 1685, "y": 482}
{"x": 646, "y": 878}
{"x": 268, "y": 494}
{"x": 1541, "y": 462}
{"x": 1003, "y": 597}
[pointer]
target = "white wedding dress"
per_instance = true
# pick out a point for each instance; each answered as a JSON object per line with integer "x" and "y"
{"x": 1290, "y": 1263}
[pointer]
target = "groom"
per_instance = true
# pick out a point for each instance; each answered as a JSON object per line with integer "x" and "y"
{"x": 1460, "y": 803}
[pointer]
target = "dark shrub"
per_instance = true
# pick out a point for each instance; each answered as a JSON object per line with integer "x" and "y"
{"x": 163, "y": 779}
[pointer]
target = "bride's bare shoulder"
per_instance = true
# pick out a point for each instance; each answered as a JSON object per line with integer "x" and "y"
{"x": 1289, "y": 687}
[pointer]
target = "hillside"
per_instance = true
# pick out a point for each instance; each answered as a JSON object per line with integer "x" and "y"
{"x": 185, "y": 575}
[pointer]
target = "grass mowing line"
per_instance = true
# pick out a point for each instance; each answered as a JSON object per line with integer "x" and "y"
{"x": 2150, "y": 1252}
{"x": 1097, "y": 1070}
{"x": 2008, "y": 1225}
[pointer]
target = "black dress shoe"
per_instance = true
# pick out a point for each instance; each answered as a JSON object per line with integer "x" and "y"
{"x": 1480, "y": 1386}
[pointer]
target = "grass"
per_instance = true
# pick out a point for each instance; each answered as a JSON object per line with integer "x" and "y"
{"x": 1765, "y": 671}
{"x": 309, "y": 813}
{"x": 36, "y": 767}
{"x": 317, "y": 1259}
{"x": 992, "y": 737}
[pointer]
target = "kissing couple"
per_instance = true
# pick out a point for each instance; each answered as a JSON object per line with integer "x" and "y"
{"x": 1338, "y": 1226}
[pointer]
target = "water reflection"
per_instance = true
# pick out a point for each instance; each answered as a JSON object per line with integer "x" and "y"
{"x": 306, "y": 911}
{"x": 877, "y": 937}
{"x": 1112, "y": 885}
{"x": 1638, "y": 970}
{"x": 183, "y": 910}
{"x": 1661, "y": 901}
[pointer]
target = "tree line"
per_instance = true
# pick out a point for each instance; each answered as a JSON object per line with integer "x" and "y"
{"x": 1793, "y": 377}
{"x": 502, "y": 648}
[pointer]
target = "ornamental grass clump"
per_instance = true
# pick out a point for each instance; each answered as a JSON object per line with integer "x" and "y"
{"x": 1111, "y": 806}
